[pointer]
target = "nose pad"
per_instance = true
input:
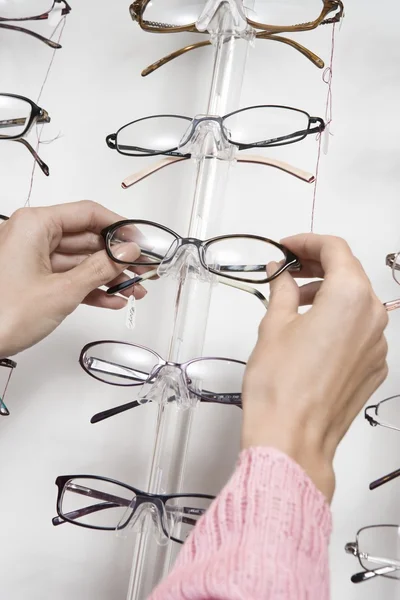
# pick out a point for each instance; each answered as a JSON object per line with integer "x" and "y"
{"x": 235, "y": 21}
{"x": 145, "y": 516}
{"x": 169, "y": 385}
{"x": 184, "y": 263}
{"x": 208, "y": 141}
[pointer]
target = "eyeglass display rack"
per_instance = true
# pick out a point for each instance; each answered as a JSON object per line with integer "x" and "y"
{"x": 151, "y": 562}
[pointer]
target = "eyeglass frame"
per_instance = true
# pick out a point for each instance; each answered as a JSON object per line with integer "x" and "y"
{"x": 5, "y": 20}
{"x": 111, "y": 139}
{"x": 353, "y": 548}
{"x": 233, "y": 399}
{"x": 38, "y": 116}
{"x": 8, "y": 364}
{"x": 292, "y": 262}
{"x": 138, "y": 7}
{"x": 144, "y": 497}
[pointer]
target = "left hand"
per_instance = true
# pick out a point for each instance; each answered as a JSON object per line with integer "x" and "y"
{"x": 51, "y": 260}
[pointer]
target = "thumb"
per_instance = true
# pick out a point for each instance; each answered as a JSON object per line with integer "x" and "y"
{"x": 99, "y": 269}
{"x": 284, "y": 296}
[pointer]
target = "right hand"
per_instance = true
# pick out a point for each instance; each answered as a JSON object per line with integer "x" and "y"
{"x": 310, "y": 374}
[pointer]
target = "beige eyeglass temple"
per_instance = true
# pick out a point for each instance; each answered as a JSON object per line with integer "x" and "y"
{"x": 316, "y": 60}
{"x": 244, "y": 158}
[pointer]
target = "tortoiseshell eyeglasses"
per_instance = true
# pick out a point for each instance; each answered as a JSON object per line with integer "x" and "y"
{"x": 31, "y": 10}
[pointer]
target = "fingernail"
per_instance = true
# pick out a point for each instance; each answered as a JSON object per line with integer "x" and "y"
{"x": 126, "y": 251}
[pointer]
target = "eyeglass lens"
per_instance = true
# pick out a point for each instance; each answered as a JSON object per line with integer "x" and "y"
{"x": 396, "y": 267}
{"x": 379, "y": 546}
{"x": 15, "y": 115}
{"x": 179, "y": 13}
{"x": 24, "y": 9}
{"x": 388, "y": 411}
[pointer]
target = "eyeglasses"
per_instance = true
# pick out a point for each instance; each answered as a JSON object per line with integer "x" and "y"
{"x": 210, "y": 379}
{"x": 385, "y": 414}
{"x": 166, "y": 17}
{"x": 17, "y": 117}
{"x": 30, "y": 10}
{"x": 119, "y": 506}
{"x": 234, "y": 259}
{"x": 7, "y": 367}
{"x": 393, "y": 261}
{"x": 254, "y": 127}
{"x": 246, "y": 158}
{"x": 377, "y": 549}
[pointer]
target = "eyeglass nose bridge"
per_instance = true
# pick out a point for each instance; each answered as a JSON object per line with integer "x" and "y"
{"x": 185, "y": 258}
{"x": 135, "y": 518}
{"x": 169, "y": 383}
{"x": 235, "y": 20}
{"x": 206, "y": 138}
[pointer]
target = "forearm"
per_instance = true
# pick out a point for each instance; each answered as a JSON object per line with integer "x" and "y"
{"x": 264, "y": 538}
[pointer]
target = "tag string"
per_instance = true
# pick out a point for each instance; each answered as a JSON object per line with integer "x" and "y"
{"x": 39, "y": 129}
{"x": 327, "y": 77}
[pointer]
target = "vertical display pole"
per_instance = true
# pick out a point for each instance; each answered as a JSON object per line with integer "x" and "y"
{"x": 151, "y": 561}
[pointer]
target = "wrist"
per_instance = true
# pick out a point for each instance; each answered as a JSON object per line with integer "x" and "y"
{"x": 291, "y": 437}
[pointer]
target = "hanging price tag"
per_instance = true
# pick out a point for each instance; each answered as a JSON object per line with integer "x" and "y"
{"x": 130, "y": 320}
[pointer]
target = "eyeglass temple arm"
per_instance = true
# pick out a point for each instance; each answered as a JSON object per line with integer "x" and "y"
{"x": 43, "y": 118}
{"x": 37, "y": 158}
{"x": 385, "y": 479}
{"x": 4, "y": 412}
{"x": 236, "y": 284}
{"x": 96, "y": 364}
{"x": 265, "y": 143}
{"x": 83, "y": 512}
{"x": 246, "y": 158}
{"x": 366, "y": 575}
{"x": 65, "y": 11}
{"x": 316, "y": 60}
{"x": 33, "y": 34}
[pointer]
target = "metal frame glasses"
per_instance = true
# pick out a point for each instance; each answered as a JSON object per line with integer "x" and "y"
{"x": 225, "y": 272}
{"x": 385, "y": 413}
{"x": 144, "y": 366}
{"x": 4, "y": 22}
{"x": 35, "y": 116}
{"x": 186, "y": 127}
{"x": 6, "y": 363}
{"x": 125, "y": 504}
{"x": 378, "y": 538}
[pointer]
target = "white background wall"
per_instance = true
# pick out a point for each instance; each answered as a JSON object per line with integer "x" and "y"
{"x": 94, "y": 87}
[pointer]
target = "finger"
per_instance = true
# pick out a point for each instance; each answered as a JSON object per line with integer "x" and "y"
{"x": 97, "y": 270}
{"x": 80, "y": 243}
{"x": 85, "y": 215}
{"x": 331, "y": 252}
{"x": 138, "y": 290}
{"x": 284, "y": 294}
{"x": 308, "y": 292}
{"x": 101, "y": 300}
{"x": 65, "y": 262}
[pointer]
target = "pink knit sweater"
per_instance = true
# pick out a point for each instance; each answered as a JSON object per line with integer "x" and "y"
{"x": 264, "y": 538}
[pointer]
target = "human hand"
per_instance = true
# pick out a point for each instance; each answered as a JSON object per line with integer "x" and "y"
{"x": 310, "y": 374}
{"x": 51, "y": 260}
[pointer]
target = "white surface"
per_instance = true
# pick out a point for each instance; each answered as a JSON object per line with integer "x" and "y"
{"x": 95, "y": 87}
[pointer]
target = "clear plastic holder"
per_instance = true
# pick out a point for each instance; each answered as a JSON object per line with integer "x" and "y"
{"x": 152, "y": 560}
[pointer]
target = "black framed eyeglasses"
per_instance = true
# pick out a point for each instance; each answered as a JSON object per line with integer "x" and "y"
{"x": 235, "y": 259}
{"x": 262, "y": 126}
{"x": 106, "y": 504}
{"x": 209, "y": 379}
{"x": 30, "y": 10}
{"x": 7, "y": 367}
{"x": 377, "y": 549}
{"x": 18, "y": 115}
{"x": 385, "y": 414}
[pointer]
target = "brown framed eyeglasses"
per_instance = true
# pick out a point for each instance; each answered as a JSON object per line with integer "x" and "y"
{"x": 157, "y": 16}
